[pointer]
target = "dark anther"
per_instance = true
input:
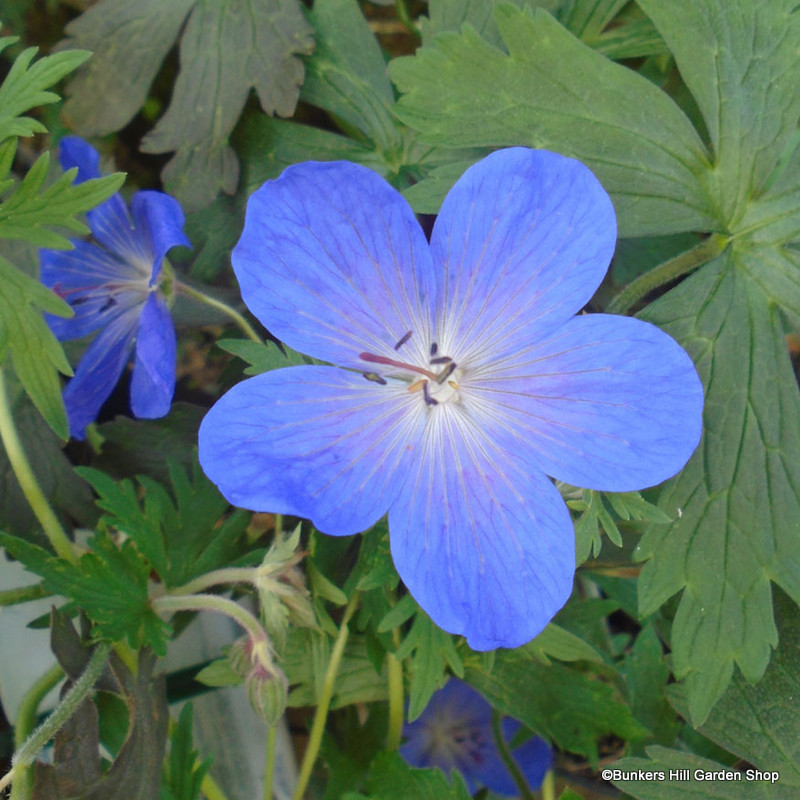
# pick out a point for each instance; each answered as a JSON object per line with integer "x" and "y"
{"x": 434, "y": 349}
{"x": 110, "y": 303}
{"x": 374, "y": 377}
{"x": 428, "y": 399}
{"x": 441, "y": 360}
{"x": 446, "y": 372}
{"x": 403, "y": 339}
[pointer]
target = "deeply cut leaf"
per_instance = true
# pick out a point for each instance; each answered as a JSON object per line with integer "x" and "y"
{"x": 227, "y": 48}
{"x": 736, "y": 501}
{"x": 462, "y": 92}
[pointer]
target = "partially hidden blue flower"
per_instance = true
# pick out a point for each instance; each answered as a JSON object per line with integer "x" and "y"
{"x": 464, "y": 379}
{"x": 455, "y": 732}
{"x": 113, "y": 286}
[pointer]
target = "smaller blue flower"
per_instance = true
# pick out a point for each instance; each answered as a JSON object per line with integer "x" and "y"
{"x": 112, "y": 285}
{"x": 455, "y": 732}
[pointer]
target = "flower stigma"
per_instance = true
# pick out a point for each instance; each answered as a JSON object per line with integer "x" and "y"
{"x": 438, "y": 384}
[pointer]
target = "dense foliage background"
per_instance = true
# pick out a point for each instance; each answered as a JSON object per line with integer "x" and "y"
{"x": 679, "y": 646}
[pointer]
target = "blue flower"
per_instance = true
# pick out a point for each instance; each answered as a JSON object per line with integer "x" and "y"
{"x": 455, "y": 732}
{"x": 467, "y": 380}
{"x": 113, "y": 288}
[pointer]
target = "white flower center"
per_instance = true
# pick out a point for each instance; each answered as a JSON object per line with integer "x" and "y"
{"x": 436, "y": 381}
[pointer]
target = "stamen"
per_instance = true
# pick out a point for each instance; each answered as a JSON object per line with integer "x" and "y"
{"x": 405, "y": 337}
{"x": 446, "y": 372}
{"x": 390, "y": 362}
{"x": 374, "y": 377}
{"x": 434, "y": 349}
{"x": 428, "y": 399}
{"x": 441, "y": 360}
{"x": 110, "y": 303}
{"x": 453, "y": 385}
{"x": 417, "y": 385}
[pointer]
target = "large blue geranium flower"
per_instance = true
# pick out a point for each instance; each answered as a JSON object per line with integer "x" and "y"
{"x": 113, "y": 287}
{"x": 455, "y": 732}
{"x": 467, "y": 379}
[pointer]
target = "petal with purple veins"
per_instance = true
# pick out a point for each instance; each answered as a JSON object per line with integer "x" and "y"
{"x": 159, "y": 220}
{"x": 98, "y": 372}
{"x": 524, "y": 239}
{"x": 153, "y": 379}
{"x": 316, "y": 442}
{"x": 605, "y": 402}
{"x": 333, "y": 262}
{"x": 484, "y": 544}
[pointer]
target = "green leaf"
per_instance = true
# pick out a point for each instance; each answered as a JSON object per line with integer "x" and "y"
{"x": 761, "y": 724}
{"x": 180, "y": 538}
{"x": 678, "y": 782}
{"x": 24, "y": 87}
{"x": 69, "y": 495}
{"x": 110, "y": 583}
{"x": 226, "y": 49}
{"x": 135, "y": 446}
{"x": 430, "y": 651}
{"x": 555, "y": 642}
{"x": 305, "y": 662}
{"x": 460, "y": 91}
{"x": 646, "y": 676}
{"x": 185, "y": 771}
{"x": 732, "y": 503}
{"x": 740, "y": 64}
{"x": 452, "y": 15}
{"x": 567, "y": 706}
{"x": 36, "y": 354}
{"x": 135, "y": 773}
{"x": 29, "y": 209}
{"x": 267, "y": 146}
{"x": 346, "y": 75}
{"x": 263, "y": 357}
{"x": 391, "y": 778}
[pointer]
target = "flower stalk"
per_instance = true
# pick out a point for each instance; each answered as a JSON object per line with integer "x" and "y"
{"x": 27, "y": 480}
{"x": 202, "y": 297}
{"x": 323, "y": 705}
{"x": 667, "y": 272}
{"x": 27, "y": 753}
{"x": 505, "y": 754}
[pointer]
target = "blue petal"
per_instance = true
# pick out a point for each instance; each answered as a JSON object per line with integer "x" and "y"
{"x": 484, "y": 544}
{"x": 98, "y": 372}
{"x": 159, "y": 220}
{"x": 334, "y": 263}
{"x": 153, "y": 380}
{"x": 317, "y": 442}
{"x": 74, "y": 152}
{"x": 453, "y": 732}
{"x": 525, "y": 237}
{"x": 84, "y": 277}
{"x": 109, "y": 221}
{"x": 606, "y": 402}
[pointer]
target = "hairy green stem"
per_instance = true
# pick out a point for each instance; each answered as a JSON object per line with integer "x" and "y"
{"x": 27, "y": 480}
{"x": 549, "y": 786}
{"x": 229, "y": 576}
{"x": 211, "y": 790}
{"x": 395, "y": 679}
{"x": 26, "y": 722}
{"x": 212, "y": 602}
{"x": 505, "y": 754}
{"x": 23, "y": 594}
{"x": 323, "y": 705}
{"x": 81, "y": 689}
{"x": 667, "y": 272}
{"x": 243, "y": 324}
{"x": 269, "y": 773}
